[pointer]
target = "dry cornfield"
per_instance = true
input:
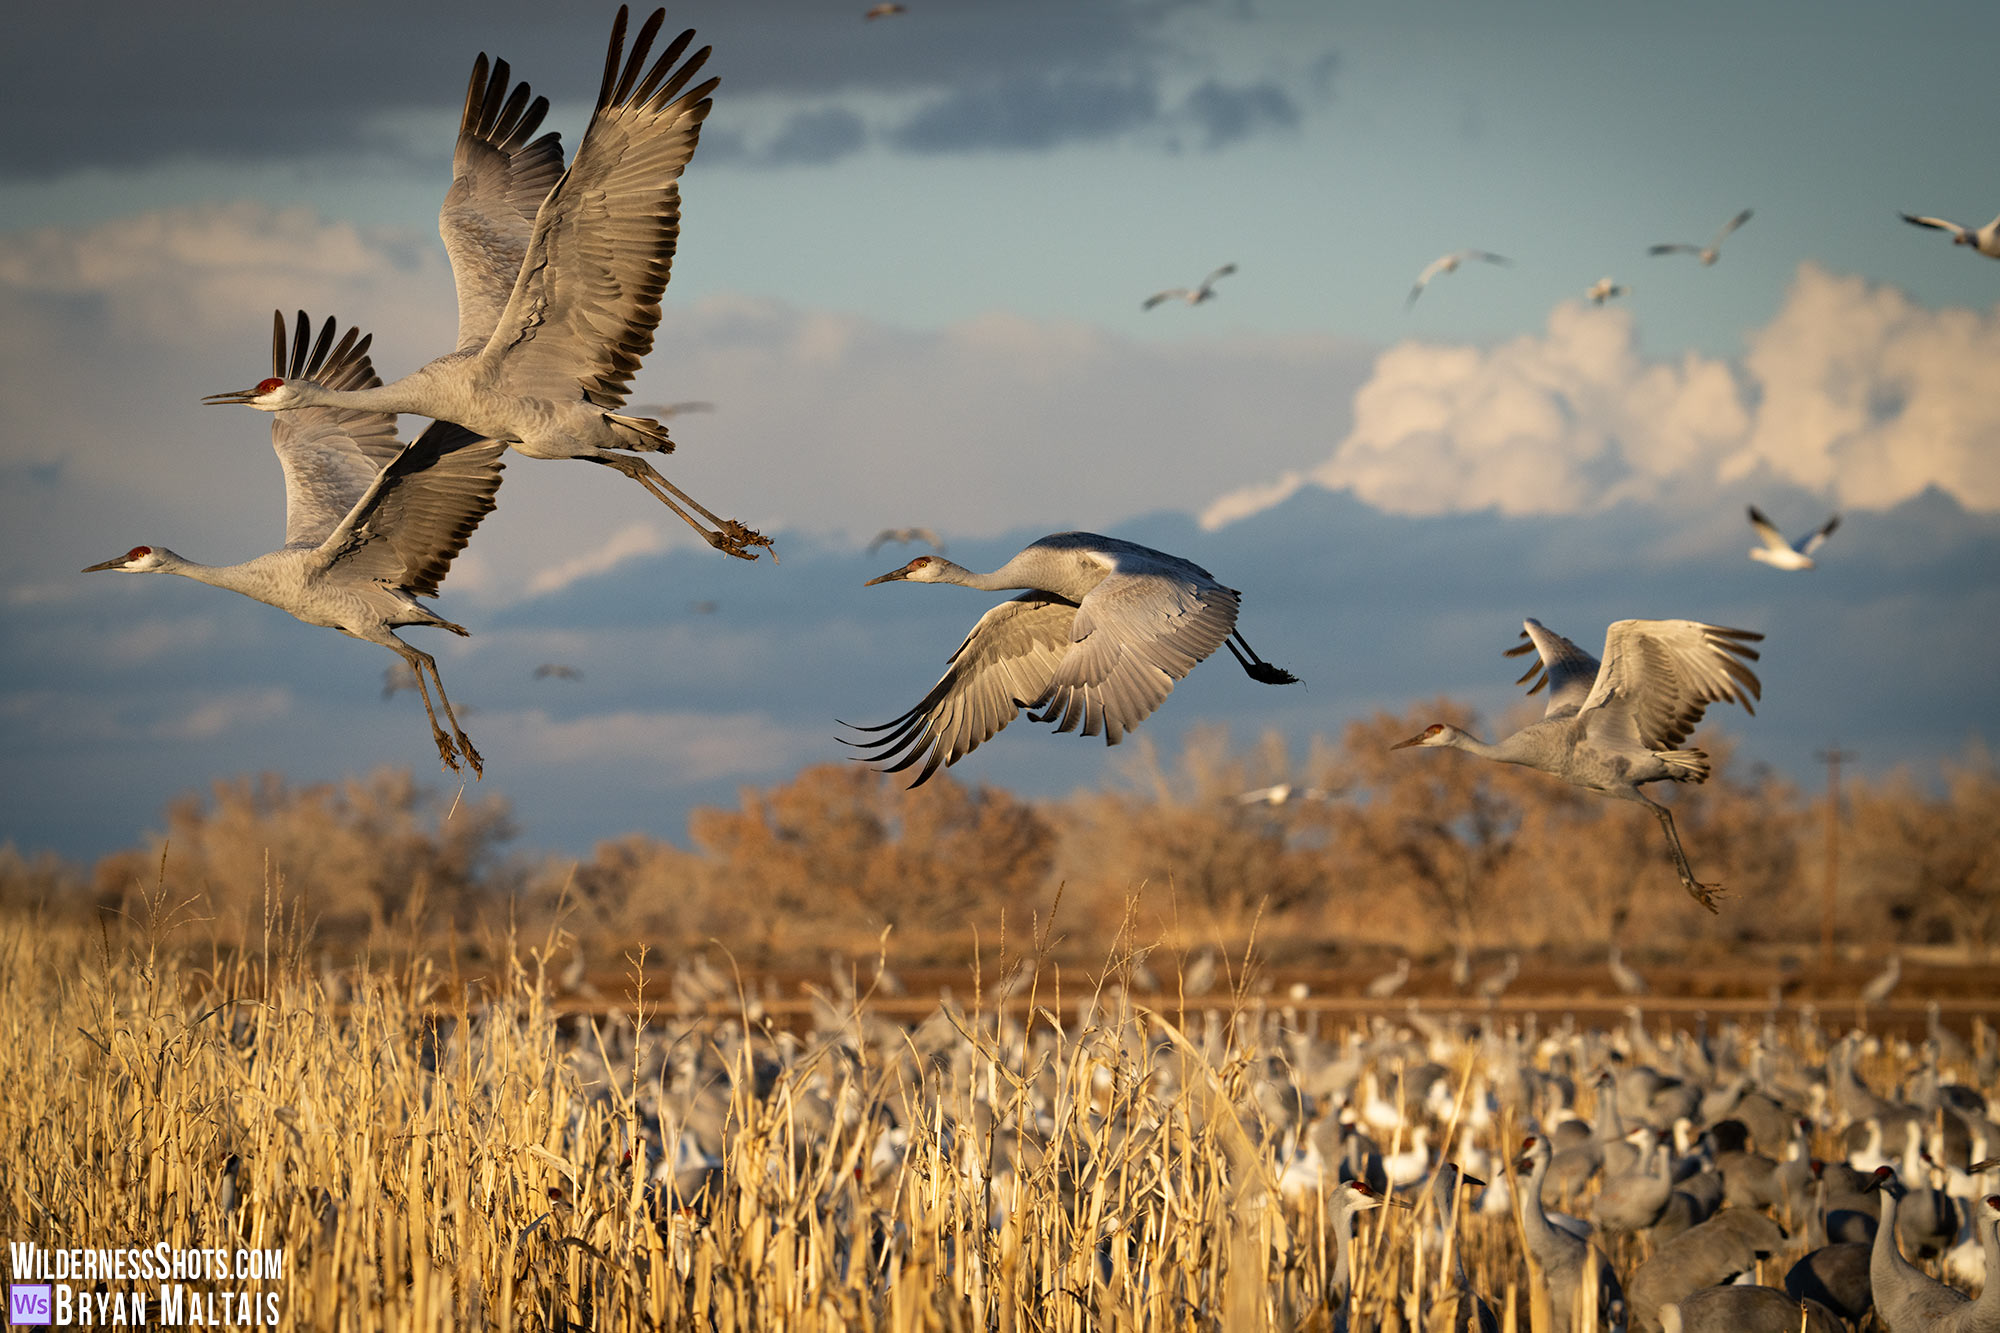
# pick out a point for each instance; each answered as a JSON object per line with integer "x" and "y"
{"x": 437, "y": 1151}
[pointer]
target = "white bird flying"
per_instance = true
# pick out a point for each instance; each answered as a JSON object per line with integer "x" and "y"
{"x": 1449, "y": 264}
{"x": 1986, "y": 240}
{"x": 925, "y": 535}
{"x": 1614, "y": 725}
{"x": 1781, "y": 554}
{"x": 559, "y": 280}
{"x": 370, "y": 524}
{"x": 1191, "y": 295}
{"x": 1100, "y": 636}
{"x": 1604, "y": 289}
{"x": 1709, "y": 253}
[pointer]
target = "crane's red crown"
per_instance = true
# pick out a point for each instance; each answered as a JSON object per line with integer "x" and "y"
{"x": 265, "y": 386}
{"x": 138, "y": 551}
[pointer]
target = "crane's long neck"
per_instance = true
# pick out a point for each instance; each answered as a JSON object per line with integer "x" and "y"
{"x": 1534, "y": 1220}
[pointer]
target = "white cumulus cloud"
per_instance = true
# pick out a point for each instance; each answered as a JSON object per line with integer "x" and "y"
{"x": 1851, "y": 389}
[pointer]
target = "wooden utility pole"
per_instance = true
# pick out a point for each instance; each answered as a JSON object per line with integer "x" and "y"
{"x": 1833, "y": 759}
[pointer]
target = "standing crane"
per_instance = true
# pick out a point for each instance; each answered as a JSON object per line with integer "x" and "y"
{"x": 1614, "y": 725}
{"x": 1563, "y": 1257}
{"x": 370, "y": 524}
{"x": 1911, "y": 1300}
{"x": 1100, "y": 636}
{"x": 555, "y": 315}
{"x": 1709, "y": 253}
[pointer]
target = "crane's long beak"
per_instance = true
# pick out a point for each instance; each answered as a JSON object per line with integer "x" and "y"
{"x": 890, "y": 577}
{"x": 233, "y": 396}
{"x": 108, "y": 564}
{"x": 1404, "y": 745}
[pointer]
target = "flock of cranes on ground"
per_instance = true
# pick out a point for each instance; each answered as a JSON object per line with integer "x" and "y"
{"x": 559, "y": 275}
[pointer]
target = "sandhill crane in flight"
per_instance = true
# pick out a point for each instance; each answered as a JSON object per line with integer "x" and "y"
{"x": 1191, "y": 295}
{"x": 886, "y": 10}
{"x": 1985, "y": 240}
{"x": 1449, "y": 264}
{"x": 1709, "y": 253}
{"x": 1604, "y": 289}
{"x": 1781, "y": 554}
{"x": 557, "y": 671}
{"x": 1614, "y": 725}
{"x": 1100, "y": 636}
{"x": 370, "y": 524}
{"x": 559, "y": 280}
{"x": 924, "y": 535}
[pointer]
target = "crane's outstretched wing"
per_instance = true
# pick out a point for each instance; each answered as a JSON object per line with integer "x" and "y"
{"x": 1566, "y": 669}
{"x": 1811, "y": 541}
{"x": 1170, "y": 294}
{"x": 1660, "y": 675}
{"x": 1003, "y": 665}
{"x": 583, "y": 311}
{"x": 1674, "y": 248}
{"x": 330, "y": 455}
{"x": 498, "y": 183}
{"x": 1134, "y": 635}
{"x": 1222, "y": 272}
{"x": 1767, "y": 532}
{"x": 421, "y": 510}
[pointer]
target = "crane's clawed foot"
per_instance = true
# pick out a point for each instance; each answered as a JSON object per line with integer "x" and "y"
{"x": 1705, "y": 894}
{"x": 471, "y": 756}
{"x": 1267, "y": 674}
{"x": 735, "y": 539}
{"x": 447, "y": 751}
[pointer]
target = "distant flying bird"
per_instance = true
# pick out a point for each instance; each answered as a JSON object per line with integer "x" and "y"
{"x": 925, "y": 535}
{"x": 558, "y": 671}
{"x": 1612, "y": 726}
{"x": 1282, "y": 793}
{"x": 1986, "y": 240}
{"x": 1604, "y": 289}
{"x": 559, "y": 280}
{"x": 1100, "y": 636}
{"x": 370, "y": 524}
{"x": 1449, "y": 264}
{"x": 704, "y": 608}
{"x": 1709, "y": 253}
{"x": 883, "y": 11}
{"x": 1193, "y": 296}
{"x": 1781, "y": 554}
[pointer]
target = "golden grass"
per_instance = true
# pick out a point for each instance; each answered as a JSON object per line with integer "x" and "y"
{"x": 481, "y": 1164}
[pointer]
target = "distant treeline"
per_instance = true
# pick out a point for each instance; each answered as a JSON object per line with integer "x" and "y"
{"x": 1370, "y": 850}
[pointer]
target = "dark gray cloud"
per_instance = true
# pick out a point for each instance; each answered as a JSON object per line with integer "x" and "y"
{"x": 235, "y": 82}
{"x": 1227, "y": 115}
{"x": 820, "y": 135}
{"x": 1030, "y": 111}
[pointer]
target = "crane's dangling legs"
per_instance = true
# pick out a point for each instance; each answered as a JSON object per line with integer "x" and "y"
{"x": 421, "y": 662}
{"x": 728, "y": 536}
{"x": 1260, "y": 670}
{"x": 1705, "y": 894}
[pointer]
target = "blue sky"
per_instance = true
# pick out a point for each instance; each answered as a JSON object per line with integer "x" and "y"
{"x": 910, "y": 273}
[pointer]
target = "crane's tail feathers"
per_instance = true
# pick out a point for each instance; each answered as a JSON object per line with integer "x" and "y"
{"x": 1264, "y": 673}
{"x": 640, "y": 434}
{"x": 1685, "y": 765}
